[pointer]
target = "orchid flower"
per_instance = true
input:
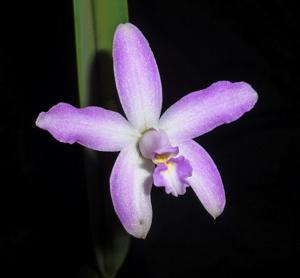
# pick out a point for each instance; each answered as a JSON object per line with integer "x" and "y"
{"x": 154, "y": 150}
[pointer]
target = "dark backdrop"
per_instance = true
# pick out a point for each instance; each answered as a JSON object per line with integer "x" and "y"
{"x": 44, "y": 211}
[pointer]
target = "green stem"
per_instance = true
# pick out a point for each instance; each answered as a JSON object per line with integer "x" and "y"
{"x": 95, "y": 23}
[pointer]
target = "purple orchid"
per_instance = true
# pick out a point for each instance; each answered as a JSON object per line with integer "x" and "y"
{"x": 153, "y": 149}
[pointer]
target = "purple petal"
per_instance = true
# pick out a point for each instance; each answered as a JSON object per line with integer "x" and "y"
{"x": 202, "y": 111}
{"x": 205, "y": 180}
{"x": 137, "y": 77}
{"x": 173, "y": 175}
{"x": 130, "y": 187}
{"x": 92, "y": 127}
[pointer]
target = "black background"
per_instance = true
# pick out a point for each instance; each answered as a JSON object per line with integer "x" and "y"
{"x": 44, "y": 212}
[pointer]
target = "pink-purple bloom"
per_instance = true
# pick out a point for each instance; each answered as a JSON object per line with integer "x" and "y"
{"x": 154, "y": 149}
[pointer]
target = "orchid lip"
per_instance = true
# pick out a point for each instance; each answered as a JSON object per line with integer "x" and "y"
{"x": 172, "y": 175}
{"x": 171, "y": 172}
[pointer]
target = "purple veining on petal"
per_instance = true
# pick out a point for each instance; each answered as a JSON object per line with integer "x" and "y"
{"x": 202, "y": 111}
{"x": 92, "y": 127}
{"x": 173, "y": 175}
{"x": 137, "y": 77}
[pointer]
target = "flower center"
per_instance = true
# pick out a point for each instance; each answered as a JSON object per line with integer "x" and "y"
{"x": 155, "y": 145}
{"x": 171, "y": 170}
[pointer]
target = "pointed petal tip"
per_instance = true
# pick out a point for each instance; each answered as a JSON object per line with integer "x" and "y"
{"x": 217, "y": 213}
{"x": 124, "y": 30}
{"x": 217, "y": 209}
{"x": 40, "y": 119}
{"x": 141, "y": 230}
{"x": 247, "y": 88}
{"x": 125, "y": 25}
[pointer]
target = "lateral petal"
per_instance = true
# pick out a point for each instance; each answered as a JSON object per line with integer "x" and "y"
{"x": 137, "y": 77}
{"x": 205, "y": 180}
{"x": 202, "y": 111}
{"x": 130, "y": 186}
{"x": 93, "y": 127}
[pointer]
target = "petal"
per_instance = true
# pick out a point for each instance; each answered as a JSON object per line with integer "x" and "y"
{"x": 92, "y": 127}
{"x": 205, "y": 180}
{"x": 130, "y": 187}
{"x": 137, "y": 77}
{"x": 202, "y": 111}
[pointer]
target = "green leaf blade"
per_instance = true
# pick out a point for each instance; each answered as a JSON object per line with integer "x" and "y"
{"x": 95, "y": 23}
